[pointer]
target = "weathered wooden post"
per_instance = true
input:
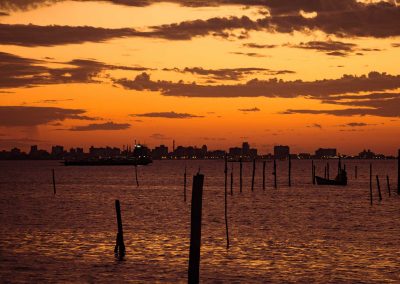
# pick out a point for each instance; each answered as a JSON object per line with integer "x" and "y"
{"x": 232, "y": 180}
{"x": 184, "y": 185}
{"x": 195, "y": 229}
{"x": 388, "y": 184}
{"x": 241, "y": 174}
{"x": 370, "y": 182}
{"x": 54, "y": 182}
{"x": 355, "y": 172}
{"x": 253, "y": 175}
{"x": 398, "y": 173}
{"x": 226, "y": 203}
{"x": 290, "y": 171}
{"x": 325, "y": 172}
{"x": 264, "y": 165}
{"x": 119, "y": 246}
{"x": 379, "y": 188}
{"x": 274, "y": 173}
{"x": 136, "y": 175}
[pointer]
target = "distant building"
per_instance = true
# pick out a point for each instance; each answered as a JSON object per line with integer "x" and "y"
{"x": 34, "y": 149}
{"x": 160, "y": 152}
{"x": 366, "y": 154}
{"x": 281, "y": 152}
{"x": 245, "y": 149}
{"x": 253, "y": 153}
{"x": 57, "y": 151}
{"x": 235, "y": 152}
{"x": 325, "y": 153}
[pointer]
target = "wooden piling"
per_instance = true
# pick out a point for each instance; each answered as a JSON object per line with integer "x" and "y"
{"x": 241, "y": 175}
{"x": 54, "y": 182}
{"x": 325, "y": 172}
{"x": 379, "y": 188}
{"x": 253, "y": 175}
{"x": 370, "y": 183}
{"x": 136, "y": 176}
{"x": 263, "y": 174}
{"x": 388, "y": 184}
{"x": 119, "y": 246}
{"x": 290, "y": 172}
{"x": 226, "y": 203}
{"x": 232, "y": 180}
{"x": 355, "y": 172}
{"x": 195, "y": 229}
{"x": 184, "y": 186}
{"x": 275, "y": 182}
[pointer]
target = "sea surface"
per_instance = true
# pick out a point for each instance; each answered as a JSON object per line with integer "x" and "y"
{"x": 303, "y": 233}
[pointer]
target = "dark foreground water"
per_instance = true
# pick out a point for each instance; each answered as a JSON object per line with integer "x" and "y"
{"x": 304, "y": 233}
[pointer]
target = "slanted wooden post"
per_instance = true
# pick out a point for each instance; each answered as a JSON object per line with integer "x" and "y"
{"x": 241, "y": 174}
{"x": 398, "y": 173}
{"x": 274, "y": 173}
{"x": 136, "y": 175}
{"x": 54, "y": 182}
{"x": 226, "y": 203}
{"x": 355, "y": 172}
{"x": 379, "y": 188}
{"x": 370, "y": 183}
{"x": 184, "y": 185}
{"x": 253, "y": 175}
{"x": 290, "y": 171}
{"x": 388, "y": 184}
{"x": 232, "y": 180}
{"x": 325, "y": 172}
{"x": 119, "y": 246}
{"x": 195, "y": 229}
{"x": 264, "y": 165}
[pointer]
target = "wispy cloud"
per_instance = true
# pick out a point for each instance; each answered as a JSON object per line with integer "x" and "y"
{"x": 108, "y": 126}
{"x": 171, "y": 114}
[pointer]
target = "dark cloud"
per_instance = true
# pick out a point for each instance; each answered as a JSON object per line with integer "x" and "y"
{"x": 3, "y": 14}
{"x": 20, "y": 116}
{"x": 34, "y": 35}
{"x": 315, "y": 125}
{"x": 16, "y": 71}
{"x": 229, "y": 73}
{"x": 319, "y": 89}
{"x": 343, "y": 18}
{"x": 260, "y": 46}
{"x": 108, "y": 126}
{"x": 380, "y": 104}
{"x": 170, "y": 114}
{"x": 396, "y": 44}
{"x": 357, "y": 124}
{"x": 333, "y": 48}
{"x": 159, "y": 136}
{"x": 255, "y": 109}
{"x": 250, "y": 54}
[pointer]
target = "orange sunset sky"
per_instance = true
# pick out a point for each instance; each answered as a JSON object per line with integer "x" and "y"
{"x": 306, "y": 73}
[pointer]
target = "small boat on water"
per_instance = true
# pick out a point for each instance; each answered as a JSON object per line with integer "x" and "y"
{"x": 141, "y": 161}
{"x": 341, "y": 178}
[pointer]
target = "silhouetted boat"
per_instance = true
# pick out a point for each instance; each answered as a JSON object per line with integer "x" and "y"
{"x": 141, "y": 161}
{"x": 341, "y": 178}
{"x": 337, "y": 181}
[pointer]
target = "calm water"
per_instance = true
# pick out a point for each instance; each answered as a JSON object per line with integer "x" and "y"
{"x": 304, "y": 233}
